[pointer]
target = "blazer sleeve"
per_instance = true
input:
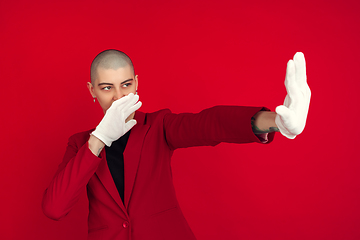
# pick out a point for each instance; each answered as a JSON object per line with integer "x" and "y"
{"x": 78, "y": 166}
{"x": 231, "y": 124}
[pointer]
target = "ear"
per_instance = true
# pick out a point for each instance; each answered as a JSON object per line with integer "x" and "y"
{"x": 91, "y": 89}
{"x": 136, "y": 82}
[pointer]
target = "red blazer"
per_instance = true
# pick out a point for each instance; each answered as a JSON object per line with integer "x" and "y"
{"x": 150, "y": 209}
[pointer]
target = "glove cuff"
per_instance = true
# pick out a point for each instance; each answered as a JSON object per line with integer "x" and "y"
{"x": 105, "y": 140}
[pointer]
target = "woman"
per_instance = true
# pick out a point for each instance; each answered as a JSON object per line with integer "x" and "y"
{"x": 130, "y": 190}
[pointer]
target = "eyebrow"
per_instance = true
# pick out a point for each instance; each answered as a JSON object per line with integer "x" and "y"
{"x": 130, "y": 79}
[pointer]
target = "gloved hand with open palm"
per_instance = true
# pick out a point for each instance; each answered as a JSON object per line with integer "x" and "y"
{"x": 291, "y": 116}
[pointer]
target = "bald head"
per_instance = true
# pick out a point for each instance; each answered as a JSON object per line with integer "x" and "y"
{"x": 109, "y": 59}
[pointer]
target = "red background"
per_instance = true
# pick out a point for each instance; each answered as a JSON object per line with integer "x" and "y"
{"x": 189, "y": 55}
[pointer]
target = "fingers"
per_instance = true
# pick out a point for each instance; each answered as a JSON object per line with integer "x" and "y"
{"x": 290, "y": 73}
{"x": 135, "y": 106}
{"x": 120, "y": 103}
{"x": 125, "y": 105}
{"x": 290, "y": 83}
{"x": 125, "y": 102}
{"x": 131, "y": 123}
{"x": 300, "y": 69}
{"x": 129, "y": 105}
{"x": 132, "y": 109}
{"x": 132, "y": 99}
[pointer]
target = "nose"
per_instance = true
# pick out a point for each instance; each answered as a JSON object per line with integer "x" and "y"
{"x": 118, "y": 94}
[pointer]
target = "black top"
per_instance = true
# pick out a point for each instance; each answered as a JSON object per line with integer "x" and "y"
{"x": 115, "y": 161}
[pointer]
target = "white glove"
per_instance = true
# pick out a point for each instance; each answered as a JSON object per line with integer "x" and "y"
{"x": 291, "y": 117}
{"x": 113, "y": 125}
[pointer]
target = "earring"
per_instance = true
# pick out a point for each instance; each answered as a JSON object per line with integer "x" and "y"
{"x": 94, "y": 99}
{"x": 136, "y": 92}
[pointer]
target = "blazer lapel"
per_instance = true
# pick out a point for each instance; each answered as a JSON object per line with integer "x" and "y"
{"x": 106, "y": 179}
{"x": 132, "y": 153}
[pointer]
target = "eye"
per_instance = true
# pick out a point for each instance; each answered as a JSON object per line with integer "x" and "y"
{"x": 106, "y": 88}
{"x": 126, "y": 85}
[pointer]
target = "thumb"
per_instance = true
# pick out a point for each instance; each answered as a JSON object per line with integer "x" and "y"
{"x": 283, "y": 111}
{"x": 129, "y": 125}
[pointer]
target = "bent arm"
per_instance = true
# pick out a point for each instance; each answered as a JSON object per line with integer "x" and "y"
{"x": 78, "y": 166}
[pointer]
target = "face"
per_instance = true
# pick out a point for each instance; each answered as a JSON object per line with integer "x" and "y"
{"x": 112, "y": 85}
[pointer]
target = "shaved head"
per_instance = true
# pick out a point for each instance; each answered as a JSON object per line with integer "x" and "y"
{"x": 109, "y": 59}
